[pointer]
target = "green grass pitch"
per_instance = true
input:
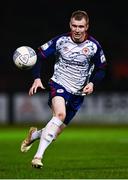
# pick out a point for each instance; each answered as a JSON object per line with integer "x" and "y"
{"x": 82, "y": 152}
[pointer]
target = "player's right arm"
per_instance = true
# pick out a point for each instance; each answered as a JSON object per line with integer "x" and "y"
{"x": 43, "y": 52}
{"x": 36, "y": 75}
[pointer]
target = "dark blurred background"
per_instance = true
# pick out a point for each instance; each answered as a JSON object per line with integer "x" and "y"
{"x": 32, "y": 23}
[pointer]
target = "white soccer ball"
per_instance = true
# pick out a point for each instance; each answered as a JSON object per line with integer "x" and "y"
{"x": 24, "y": 57}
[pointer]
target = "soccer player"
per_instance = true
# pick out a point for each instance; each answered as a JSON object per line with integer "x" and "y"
{"x": 80, "y": 66}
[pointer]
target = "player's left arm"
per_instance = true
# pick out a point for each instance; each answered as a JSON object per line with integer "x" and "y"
{"x": 100, "y": 67}
{"x": 98, "y": 73}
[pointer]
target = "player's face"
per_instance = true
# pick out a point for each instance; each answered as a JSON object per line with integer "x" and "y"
{"x": 78, "y": 29}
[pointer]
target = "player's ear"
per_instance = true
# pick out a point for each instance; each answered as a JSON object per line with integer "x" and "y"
{"x": 87, "y": 27}
{"x": 70, "y": 24}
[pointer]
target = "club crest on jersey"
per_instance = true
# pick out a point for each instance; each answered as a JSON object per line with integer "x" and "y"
{"x": 85, "y": 50}
{"x": 60, "y": 90}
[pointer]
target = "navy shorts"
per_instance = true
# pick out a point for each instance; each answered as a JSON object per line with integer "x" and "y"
{"x": 72, "y": 102}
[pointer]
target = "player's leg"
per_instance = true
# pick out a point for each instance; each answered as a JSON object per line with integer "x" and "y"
{"x": 73, "y": 105}
{"x": 50, "y": 131}
{"x": 35, "y": 134}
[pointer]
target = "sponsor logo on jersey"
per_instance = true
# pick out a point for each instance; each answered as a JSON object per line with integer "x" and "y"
{"x": 65, "y": 48}
{"x": 60, "y": 90}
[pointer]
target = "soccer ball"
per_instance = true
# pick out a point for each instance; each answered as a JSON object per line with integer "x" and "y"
{"x": 24, "y": 57}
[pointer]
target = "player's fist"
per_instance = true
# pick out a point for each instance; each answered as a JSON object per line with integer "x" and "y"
{"x": 88, "y": 89}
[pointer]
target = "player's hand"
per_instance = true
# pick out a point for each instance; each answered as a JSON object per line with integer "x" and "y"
{"x": 37, "y": 84}
{"x": 88, "y": 89}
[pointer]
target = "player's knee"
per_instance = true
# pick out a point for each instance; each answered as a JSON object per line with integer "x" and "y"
{"x": 61, "y": 115}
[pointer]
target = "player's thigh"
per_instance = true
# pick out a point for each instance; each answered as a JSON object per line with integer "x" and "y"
{"x": 58, "y": 106}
